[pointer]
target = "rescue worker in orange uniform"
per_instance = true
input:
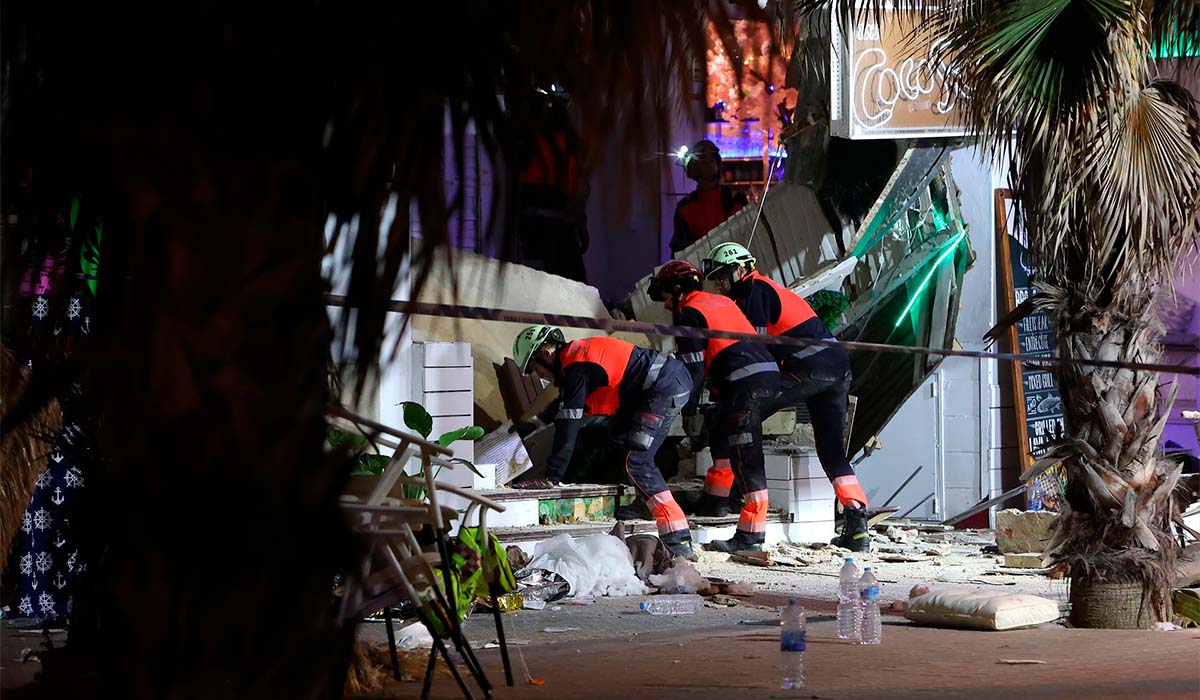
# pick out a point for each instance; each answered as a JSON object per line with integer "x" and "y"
{"x": 742, "y": 375}
{"x": 710, "y": 204}
{"x": 816, "y": 376}
{"x": 641, "y": 389}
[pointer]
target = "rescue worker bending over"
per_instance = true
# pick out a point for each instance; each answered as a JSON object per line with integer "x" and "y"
{"x": 817, "y": 376}
{"x": 641, "y": 389}
{"x": 742, "y": 375}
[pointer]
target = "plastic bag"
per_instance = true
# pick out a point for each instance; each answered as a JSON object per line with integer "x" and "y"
{"x": 595, "y": 565}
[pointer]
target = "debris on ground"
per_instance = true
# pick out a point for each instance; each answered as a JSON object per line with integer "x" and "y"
{"x": 1019, "y": 531}
{"x": 1021, "y": 662}
{"x": 1027, "y": 560}
{"x": 594, "y": 565}
{"x": 682, "y": 577}
{"x": 752, "y": 557}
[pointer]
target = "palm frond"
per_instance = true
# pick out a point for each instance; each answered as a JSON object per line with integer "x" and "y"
{"x": 1174, "y": 25}
{"x": 1141, "y": 177}
{"x": 1033, "y": 68}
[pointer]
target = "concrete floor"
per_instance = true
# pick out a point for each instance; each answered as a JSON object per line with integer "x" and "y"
{"x": 711, "y": 656}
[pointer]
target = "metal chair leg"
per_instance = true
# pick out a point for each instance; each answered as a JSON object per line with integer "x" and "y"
{"x": 508, "y": 676}
{"x": 462, "y": 685}
{"x": 391, "y": 637}
{"x": 429, "y": 673}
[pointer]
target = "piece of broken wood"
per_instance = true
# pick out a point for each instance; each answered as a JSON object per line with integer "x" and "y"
{"x": 1021, "y": 662}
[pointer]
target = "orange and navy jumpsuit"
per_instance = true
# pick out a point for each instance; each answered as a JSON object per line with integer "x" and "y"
{"x": 743, "y": 375}
{"x": 643, "y": 391}
{"x": 700, "y": 212}
{"x": 816, "y": 376}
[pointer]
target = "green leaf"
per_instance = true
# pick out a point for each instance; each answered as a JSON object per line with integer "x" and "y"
{"x": 417, "y": 418}
{"x": 372, "y": 464}
{"x": 470, "y": 432}
{"x": 468, "y": 465}
{"x": 89, "y": 257}
{"x": 336, "y": 437}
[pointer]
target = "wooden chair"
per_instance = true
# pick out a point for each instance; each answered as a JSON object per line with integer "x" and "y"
{"x": 395, "y": 567}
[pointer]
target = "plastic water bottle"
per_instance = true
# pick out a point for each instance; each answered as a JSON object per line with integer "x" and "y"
{"x": 791, "y": 646}
{"x": 1036, "y": 493}
{"x": 868, "y": 591}
{"x": 672, "y": 604}
{"x": 849, "y": 611}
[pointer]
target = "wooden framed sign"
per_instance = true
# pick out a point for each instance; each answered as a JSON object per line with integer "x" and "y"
{"x": 1038, "y": 406}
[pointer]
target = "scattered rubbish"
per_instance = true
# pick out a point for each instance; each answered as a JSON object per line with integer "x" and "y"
{"x": 525, "y": 670}
{"x": 900, "y": 558}
{"x": 595, "y": 565}
{"x": 900, "y": 536}
{"x": 413, "y": 636}
{"x": 746, "y": 556}
{"x": 1164, "y": 627}
{"x": 582, "y": 601}
{"x": 740, "y": 588}
{"x": 952, "y": 576}
{"x": 560, "y": 630}
{"x": 517, "y": 558}
{"x": 1019, "y": 531}
{"x": 1021, "y": 662}
{"x": 722, "y": 601}
{"x": 541, "y": 585}
{"x": 1026, "y": 560}
{"x": 682, "y": 577}
{"x": 535, "y": 604}
{"x": 685, "y": 604}
{"x": 507, "y": 602}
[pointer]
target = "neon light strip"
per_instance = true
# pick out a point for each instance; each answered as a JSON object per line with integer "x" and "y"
{"x": 950, "y": 248}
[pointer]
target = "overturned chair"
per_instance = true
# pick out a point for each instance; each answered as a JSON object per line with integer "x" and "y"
{"x": 388, "y": 511}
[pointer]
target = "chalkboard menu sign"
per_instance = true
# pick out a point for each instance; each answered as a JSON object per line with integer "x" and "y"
{"x": 1038, "y": 404}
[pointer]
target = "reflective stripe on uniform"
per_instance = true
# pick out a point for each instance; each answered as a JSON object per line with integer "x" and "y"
{"x": 761, "y": 329}
{"x": 847, "y": 489}
{"x": 753, "y": 518}
{"x": 751, "y": 370}
{"x": 655, "y": 368}
{"x": 810, "y": 350}
{"x": 667, "y": 513}
{"x": 569, "y": 414}
{"x": 719, "y": 478}
{"x": 738, "y": 439}
{"x": 692, "y": 358}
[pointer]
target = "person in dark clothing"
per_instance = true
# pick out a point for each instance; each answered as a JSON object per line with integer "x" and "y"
{"x": 817, "y": 376}
{"x": 709, "y": 204}
{"x": 641, "y": 389}
{"x": 742, "y": 375}
{"x": 551, "y": 213}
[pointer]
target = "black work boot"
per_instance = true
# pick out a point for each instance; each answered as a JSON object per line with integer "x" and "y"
{"x": 737, "y": 543}
{"x": 683, "y": 549}
{"x": 710, "y": 506}
{"x": 855, "y": 536}
{"x": 634, "y": 511}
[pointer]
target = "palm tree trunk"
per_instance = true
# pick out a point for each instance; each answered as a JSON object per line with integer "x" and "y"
{"x": 1115, "y": 531}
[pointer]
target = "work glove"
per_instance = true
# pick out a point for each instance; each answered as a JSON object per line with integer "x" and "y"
{"x": 524, "y": 428}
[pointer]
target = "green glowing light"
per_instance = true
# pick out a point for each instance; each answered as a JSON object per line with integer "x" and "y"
{"x": 950, "y": 248}
{"x": 939, "y": 221}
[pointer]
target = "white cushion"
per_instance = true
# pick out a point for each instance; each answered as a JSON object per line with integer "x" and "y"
{"x": 976, "y": 608}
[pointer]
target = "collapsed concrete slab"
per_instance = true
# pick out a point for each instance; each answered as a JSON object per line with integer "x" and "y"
{"x": 1021, "y": 532}
{"x": 474, "y": 280}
